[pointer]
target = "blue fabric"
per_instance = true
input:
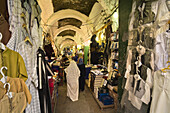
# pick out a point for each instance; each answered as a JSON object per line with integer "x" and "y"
{"x": 80, "y": 61}
{"x": 76, "y": 58}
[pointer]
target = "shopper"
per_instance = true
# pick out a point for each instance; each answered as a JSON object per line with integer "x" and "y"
{"x": 65, "y": 63}
{"x": 80, "y": 59}
{"x": 72, "y": 74}
{"x": 82, "y": 69}
{"x": 75, "y": 57}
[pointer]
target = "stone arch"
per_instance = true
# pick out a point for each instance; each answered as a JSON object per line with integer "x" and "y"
{"x": 61, "y": 39}
{"x": 66, "y": 13}
{"x": 69, "y": 27}
{"x": 66, "y": 43}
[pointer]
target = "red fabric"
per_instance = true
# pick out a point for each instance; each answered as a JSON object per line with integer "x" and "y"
{"x": 51, "y": 85}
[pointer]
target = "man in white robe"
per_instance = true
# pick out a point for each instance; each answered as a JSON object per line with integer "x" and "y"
{"x": 72, "y": 75}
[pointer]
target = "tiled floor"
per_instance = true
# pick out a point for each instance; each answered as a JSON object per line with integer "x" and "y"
{"x": 85, "y": 104}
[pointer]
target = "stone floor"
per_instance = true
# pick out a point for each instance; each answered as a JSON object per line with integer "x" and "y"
{"x": 85, "y": 104}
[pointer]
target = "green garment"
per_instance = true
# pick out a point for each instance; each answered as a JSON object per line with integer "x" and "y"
{"x": 15, "y": 64}
{"x": 86, "y": 52}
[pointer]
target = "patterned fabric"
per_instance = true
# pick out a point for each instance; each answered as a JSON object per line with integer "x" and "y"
{"x": 15, "y": 22}
{"x": 19, "y": 15}
{"x": 29, "y": 55}
{"x": 162, "y": 51}
{"x": 34, "y": 107}
{"x": 14, "y": 10}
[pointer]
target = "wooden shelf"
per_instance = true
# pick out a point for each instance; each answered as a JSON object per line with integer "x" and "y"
{"x": 101, "y": 105}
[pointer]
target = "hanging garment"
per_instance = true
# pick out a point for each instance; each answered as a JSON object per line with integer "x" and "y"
{"x": 43, "y": 85}
{"x": 132, "y": 17}
{"x": 163, "y": 13}
{"x": 162, "y": 50}
{"x": 16, "y": 104}
{"x": 35, "y": 34}
{"x": 20, "y": 96}
{"x": 139, "y": 90}
{"x": 143, "y": 13}
{"x": 17, "y": 85}
{"x": 73, "y": 74}
{"x": 162, "y": 18}
{"x": 49, "y": 50}
{"x": 36, "y": 11}
{"x": 14, "y": 10}
{"x": 127, "y": 106}
{"x": 40, "y": 32}
{"x": 146, "y": 38}
{"x": 161, "y": 90}
{"x": 146, "y": 57}
{"x": 28, "y": 53}
{"x": 16, "y": 21}
{"x": 17, "y": 33}
{"x": 15, "y": 64}
{"x": 138, "y": 87}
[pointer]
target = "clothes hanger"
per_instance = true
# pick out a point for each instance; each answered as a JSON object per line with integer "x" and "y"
{"x": 3, "y": 79}
{"x": 27, "y": 39}
{"x": 167, "y": 68}
{"x": 2, "y": 46}
{"x": 9, "y": 94}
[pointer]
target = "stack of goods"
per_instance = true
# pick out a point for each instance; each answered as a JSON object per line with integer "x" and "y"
{"x": 102, "y": 91}
{"x": 104, "y": 97}
{"x": 114, "y": 78}
{"x": 107, "y": 100}
{"x": 114, "y": 51}
{"x": 97, "y": 83}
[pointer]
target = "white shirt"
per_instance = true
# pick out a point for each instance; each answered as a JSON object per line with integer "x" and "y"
{"x": 162, "y": 49}
{"x": 161, "y": 93}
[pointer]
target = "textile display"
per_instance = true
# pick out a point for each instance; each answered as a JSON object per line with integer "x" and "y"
{"x": 146, "y": 37}
{"x": 43, "y": 85}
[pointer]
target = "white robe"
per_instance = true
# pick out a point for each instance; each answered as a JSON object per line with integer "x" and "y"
{"x": 72, "y": 75}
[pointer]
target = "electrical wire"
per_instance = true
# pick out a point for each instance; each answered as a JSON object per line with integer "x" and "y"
{"x": 93, "y": 17}
{"x": 112, "y": 12}
{"x": 86, "y": 23}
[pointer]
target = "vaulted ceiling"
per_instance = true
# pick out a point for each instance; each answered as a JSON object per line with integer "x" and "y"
{"x": 83, "y": 6}
{"x": 69, "y": 21}
{"x": 72, "y": 20}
